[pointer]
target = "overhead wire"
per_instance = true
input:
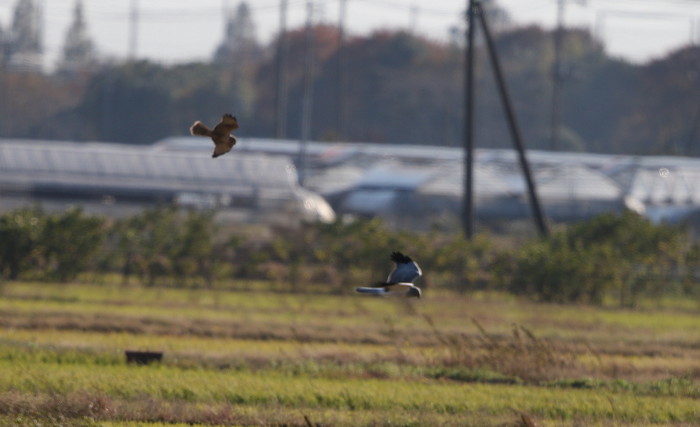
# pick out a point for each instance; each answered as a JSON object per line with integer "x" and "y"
{"x": 423, "y": 9}
{"x": 113, "y": 11}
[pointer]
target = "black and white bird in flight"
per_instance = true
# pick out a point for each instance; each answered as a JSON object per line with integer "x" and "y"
{"x": 400, "y": 280}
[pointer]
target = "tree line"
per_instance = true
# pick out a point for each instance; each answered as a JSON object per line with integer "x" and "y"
{"x": 618, "y": 258}
{"x": 397, "y": 87}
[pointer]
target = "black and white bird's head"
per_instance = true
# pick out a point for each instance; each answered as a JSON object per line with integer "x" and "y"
{"x": 400, "y": 258}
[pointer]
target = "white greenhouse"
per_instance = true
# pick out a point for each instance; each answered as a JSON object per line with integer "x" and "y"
{"x": 114, "y": 178}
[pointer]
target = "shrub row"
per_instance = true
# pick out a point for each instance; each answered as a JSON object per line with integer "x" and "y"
{"x": 623, "y": 256}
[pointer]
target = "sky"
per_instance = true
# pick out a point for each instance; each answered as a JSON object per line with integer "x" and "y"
{"x": 173, "y": 31}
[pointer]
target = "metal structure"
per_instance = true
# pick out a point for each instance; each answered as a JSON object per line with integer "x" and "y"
{"x": 113, "y": 174}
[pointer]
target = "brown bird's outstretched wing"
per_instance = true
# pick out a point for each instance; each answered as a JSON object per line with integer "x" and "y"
{"x": 223, "y": 147}
{"x": 227, "y": 125}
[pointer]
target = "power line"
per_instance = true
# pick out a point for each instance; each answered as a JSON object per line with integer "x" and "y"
{"x": 408, "y": 7}
{"x": 107, "y": 11}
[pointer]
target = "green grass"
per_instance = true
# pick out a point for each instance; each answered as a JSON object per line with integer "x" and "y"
{"x": 266, "y": 358}
{"x": 268, "y": 388}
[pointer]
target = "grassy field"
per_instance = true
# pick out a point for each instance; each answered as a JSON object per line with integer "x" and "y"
{"x": 269, "y": 358}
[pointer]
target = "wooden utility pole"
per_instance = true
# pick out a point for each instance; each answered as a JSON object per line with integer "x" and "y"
{"x": 514, "y": 128}
{"x": 475, "y": 11}
{"x": 468, "y": 214}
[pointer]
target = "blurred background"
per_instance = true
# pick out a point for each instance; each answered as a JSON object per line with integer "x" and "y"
{"x": 119, "y": 233}
{"x": 349, "y": 107}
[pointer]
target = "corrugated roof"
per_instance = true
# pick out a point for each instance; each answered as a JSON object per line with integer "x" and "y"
{"x": 671, "y": 186}
{"x": 141, "y": 166}
{"x": 185, "y": 164}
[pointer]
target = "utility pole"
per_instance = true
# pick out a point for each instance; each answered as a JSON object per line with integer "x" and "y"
{"x": 468, "y": 214}
{"x": 308, "y": 91}
{"x": 281, "y": 75}
{"x": 133, "y": 29}
{"x": 341, "y": 74}
{"x": 514, "y": 128}
{"x": 557, "y": 77}
{"x": 474, "y": 11}
{"x": 5, "y": 121}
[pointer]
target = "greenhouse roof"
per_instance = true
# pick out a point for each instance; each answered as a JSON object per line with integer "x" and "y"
{"x": 30, "y": 162}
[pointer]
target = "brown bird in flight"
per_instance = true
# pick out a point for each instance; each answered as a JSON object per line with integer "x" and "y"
{"x": 221, "y": 135}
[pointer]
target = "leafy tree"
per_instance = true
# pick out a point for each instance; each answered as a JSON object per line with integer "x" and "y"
{"x": 20, "y": 232}
{"x": 143, "y": 102}
{"x": 457, "y": 263}
{"x": 601, "y": 95}
{"x": 325, "y": 44}
{"x": 690, "y": 284}
{"x": 663, "y": 113}
{"x": 193, "y": 250}
{"x": 400, "y": 88}
{"x": 585, "y": 263}
{"x": 556, "y": 270}
{"x": 129, "y": 104}
{"x": 31, "y": 102}
{"x": 155, "y": 242}
{"x": 70, "y": 243}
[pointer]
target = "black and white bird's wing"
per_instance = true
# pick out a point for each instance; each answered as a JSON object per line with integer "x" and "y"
{"x": 406, "y": 269}
{"x": 372, "y": 291}
{"x": 394, "y": 289}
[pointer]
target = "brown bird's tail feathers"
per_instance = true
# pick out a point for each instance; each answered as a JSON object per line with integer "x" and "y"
{"x": 200, "y": 129}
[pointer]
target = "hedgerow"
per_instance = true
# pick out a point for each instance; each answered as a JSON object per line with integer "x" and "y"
{"x": 622, "y": 257}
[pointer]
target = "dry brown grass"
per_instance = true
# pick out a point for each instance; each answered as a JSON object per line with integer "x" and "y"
{"x": 410, "y": 343}
{"x": 521, "y": 355}
{"x": 519, "y": 352}
{"x": 89, "y": 410}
